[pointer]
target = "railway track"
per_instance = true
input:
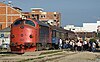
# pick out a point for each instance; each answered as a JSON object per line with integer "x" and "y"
{"x": 49, "y": 56}
{"x": 37, "y": 56}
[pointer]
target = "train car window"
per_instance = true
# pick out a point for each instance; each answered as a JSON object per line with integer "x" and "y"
{"x": 29, "y": 22}
{"x": 17, "y": 22}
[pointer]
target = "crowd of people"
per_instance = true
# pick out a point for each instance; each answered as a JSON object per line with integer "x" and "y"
{"x": 79, "y": 45}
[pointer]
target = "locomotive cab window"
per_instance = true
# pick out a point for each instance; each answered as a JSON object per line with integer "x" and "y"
{"x": 29, "y": 23}
{"x": 17, "y": 22}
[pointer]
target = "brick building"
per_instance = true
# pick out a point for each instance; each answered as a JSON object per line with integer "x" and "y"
{"x": 53, "y": 18}
{"x": 8, "y": 15}
{"x": 86, "y": 35}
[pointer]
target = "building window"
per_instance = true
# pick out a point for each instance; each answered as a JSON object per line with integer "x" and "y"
{"x": 42, "y": 16}
{"x": 55, "y": 15}
{"x": 32, "y": 15}
{"x": 28, "y": 16}
{"x": 54, "y": 20}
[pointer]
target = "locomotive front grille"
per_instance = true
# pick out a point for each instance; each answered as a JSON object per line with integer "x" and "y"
{"x": 21, "y": 46}
{"x": 21, "y": 39}
{"x": 29, "y": 45}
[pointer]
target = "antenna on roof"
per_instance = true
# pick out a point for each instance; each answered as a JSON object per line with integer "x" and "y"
{"x": 9, "y": 2}
{"x": 3, "y": 1}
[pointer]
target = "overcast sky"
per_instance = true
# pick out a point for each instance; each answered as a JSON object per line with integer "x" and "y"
{"x": 73, "y": 11}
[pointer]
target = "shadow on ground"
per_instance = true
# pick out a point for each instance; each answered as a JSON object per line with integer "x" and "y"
{"x": 6, "y": 53}
{"x": 97, "y": 51}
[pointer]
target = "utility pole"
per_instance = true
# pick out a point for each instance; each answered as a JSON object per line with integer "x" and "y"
{"x": 9, "y": 3}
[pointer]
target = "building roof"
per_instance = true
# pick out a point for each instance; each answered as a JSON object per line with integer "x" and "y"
{"x": 25, "y": 12}
{"x": 37, "y": 9}
{"x": 6, "y": 29}
{"x": 17, "y": 8}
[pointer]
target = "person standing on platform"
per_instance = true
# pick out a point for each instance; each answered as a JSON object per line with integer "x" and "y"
{"x": 60, "y": 43}
{"x": 85, "y": 45}
{"x": 79, "y": 46}
{"x": 93, "y": 47}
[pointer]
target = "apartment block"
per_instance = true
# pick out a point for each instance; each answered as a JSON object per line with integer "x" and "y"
{"x": 53, "y": 18}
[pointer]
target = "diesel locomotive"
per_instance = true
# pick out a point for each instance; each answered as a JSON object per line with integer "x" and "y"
{"x": 31, "y": 35}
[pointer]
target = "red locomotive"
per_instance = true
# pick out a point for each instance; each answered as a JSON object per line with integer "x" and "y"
{"x": 29, "y": 35}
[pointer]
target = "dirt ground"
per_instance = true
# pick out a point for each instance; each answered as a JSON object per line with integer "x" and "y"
{"x": 51, "y": 56}
{"x": 80, "y": 57}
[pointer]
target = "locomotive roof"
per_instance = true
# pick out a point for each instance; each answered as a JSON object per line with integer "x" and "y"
{"x": 42, "y": 24}
{"x": 39, "y": 22}
{"x": 60, "y": 29}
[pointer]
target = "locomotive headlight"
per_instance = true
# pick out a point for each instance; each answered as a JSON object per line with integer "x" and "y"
{"x": 28, "y": 45}
{"x": 21, "y": 46}
{"x": 31, "y": 36}
{"x": 12, "y": 44}
{"x": 32, "y": 44}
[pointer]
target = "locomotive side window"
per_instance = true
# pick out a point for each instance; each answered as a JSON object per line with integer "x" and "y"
{"x": 29, "y": 22}
{"x": 17, "y": 22}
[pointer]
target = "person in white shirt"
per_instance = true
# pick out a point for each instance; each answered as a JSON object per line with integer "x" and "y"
{"x": 71, "y": 45}
{"x": 85, "y": 45}
{"x": 60, "y": 43}
{"x": 93, "y": 47}
{"x": 79, "y": 46}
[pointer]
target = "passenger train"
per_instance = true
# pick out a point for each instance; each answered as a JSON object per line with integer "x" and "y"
{"x": 31, "y": 35}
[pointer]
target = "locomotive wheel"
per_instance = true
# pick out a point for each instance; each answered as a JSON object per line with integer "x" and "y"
{"x": 39, "y": 47}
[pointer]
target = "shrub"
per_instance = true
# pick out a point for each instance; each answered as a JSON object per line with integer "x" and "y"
{"x": 93, "y": 40}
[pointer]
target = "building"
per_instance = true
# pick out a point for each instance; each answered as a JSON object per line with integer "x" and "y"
{"x": 89, "y": 30}
{"x": 90, "y": 27}
{"x": 85, "y": 35}
{"x": 7, "y": 15}
{"x": 74, "y": 29}
{"x": 87, "y": 27}
{"x": 53, "y": 18}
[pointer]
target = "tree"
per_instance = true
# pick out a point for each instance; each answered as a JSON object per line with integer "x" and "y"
{"x": 93, "y": 40}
